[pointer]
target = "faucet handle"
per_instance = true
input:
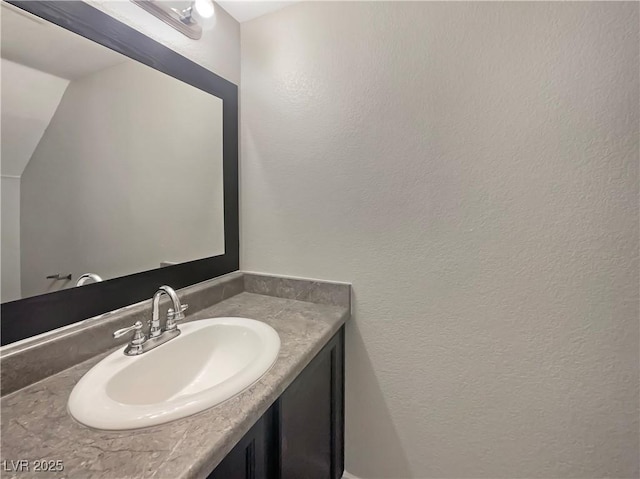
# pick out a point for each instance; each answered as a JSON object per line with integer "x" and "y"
{"x": 172, "y": 314}
{"x": 137, "y": 327}
{"x": 172, "y": 317}
{"x": 135, "y": 345}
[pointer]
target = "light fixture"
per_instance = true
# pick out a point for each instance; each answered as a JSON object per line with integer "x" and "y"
{"x": 186, "y": 20}
{"x": 204, "y": 8}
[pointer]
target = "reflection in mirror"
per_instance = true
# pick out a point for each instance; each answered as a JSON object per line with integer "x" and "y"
{"x": 108, "y": 166}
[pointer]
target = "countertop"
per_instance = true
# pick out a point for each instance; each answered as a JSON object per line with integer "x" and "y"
{"x": 37, "y": 426}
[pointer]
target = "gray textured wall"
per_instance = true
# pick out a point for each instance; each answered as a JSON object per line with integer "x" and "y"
{"x": 473, "y": 169}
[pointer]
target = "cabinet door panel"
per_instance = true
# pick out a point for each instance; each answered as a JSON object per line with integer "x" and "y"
{"x": 311, "y": 418}
{"x": 305, "y": 415}
{"x": 248, "y": 459}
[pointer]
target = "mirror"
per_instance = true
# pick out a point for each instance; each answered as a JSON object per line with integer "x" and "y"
{"x": 108, "y": 166}
{"x": 167, "y": 191}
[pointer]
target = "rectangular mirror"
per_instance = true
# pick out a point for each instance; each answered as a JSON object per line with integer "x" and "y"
{"x": 119, "y": 159}
{"x": 108, "y": 166}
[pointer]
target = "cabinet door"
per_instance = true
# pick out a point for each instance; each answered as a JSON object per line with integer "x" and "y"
{"x": 311, "y": 418}
{"x": 248, "y": 459}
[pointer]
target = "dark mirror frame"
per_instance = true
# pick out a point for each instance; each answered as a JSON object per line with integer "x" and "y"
{"x": 30, "y": 316}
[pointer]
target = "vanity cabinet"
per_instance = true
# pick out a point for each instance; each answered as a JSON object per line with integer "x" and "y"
{"x": 249, "y": 458}
{"x": 302, "y": 435}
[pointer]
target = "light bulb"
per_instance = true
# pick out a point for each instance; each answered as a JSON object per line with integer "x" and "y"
{"x": 204, "y": 8}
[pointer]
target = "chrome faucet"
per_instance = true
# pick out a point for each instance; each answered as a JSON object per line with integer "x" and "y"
{"x": 157, "y": 336}
{"x": 173, "y": 314}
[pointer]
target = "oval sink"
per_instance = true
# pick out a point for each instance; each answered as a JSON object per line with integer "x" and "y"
{"x": 211, "y": 361}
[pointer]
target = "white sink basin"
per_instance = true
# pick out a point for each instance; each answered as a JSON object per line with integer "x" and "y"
{"x": 211, "y": 361}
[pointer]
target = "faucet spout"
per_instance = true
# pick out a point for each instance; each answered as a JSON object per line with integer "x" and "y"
{"x": 155, "y": 329}
{"x": 87, "y": 277}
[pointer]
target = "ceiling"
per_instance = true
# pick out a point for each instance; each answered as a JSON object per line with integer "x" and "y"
{"x": 33, "y": 42}
{"x": 243, "y": 11}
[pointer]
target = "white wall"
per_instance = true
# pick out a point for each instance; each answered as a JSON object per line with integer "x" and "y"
{"x": 127, "y": 175}
{"x": 218, "y": 50}
{"x": 10, "y": 237}
{"x": 473, "y": 169}
{"x": 29, "y": 99}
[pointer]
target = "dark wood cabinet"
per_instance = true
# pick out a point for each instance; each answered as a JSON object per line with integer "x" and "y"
{"x": 302, "y": 435}
{"x": 249, "y": 458}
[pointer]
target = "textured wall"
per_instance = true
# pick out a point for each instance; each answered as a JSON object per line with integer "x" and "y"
{"x": 473, "y": 169}
{"x": 218, "y": 49}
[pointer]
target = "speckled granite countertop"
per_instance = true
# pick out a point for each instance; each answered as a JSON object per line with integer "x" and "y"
{"x": 36, "y": 425}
